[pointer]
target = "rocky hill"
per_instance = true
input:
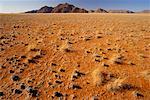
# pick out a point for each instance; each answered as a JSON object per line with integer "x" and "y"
{"x": 120, "y": 11}
{"x": 69, "y": 8}
{"x": 99, "y": 10}
{"x": 61, "y": 8}
{"x": 145, "y": 11}
{"x": 45, "y": 9}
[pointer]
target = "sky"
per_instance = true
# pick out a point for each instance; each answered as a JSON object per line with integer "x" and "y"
{"x": 15, "y": 6}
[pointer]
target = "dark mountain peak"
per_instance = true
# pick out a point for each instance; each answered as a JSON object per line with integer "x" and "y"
{"x": 45, "y": 9}
{"x": 120, "y": 11}
{"x": 69, "y": 8}
{"x": 145, "y": 11}
{"x": 100, "y": 10}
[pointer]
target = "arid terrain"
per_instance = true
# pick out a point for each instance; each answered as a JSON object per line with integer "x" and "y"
{"x": 75, "y": 56}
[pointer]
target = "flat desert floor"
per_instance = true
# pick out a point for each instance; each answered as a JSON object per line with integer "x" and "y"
{"x": 75, "y": 56}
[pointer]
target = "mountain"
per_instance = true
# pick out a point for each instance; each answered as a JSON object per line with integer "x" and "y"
{"x": 61, "y": 8}
{"x": 79, "y": 10}
{"x": 32, "y": 11}
{"x": 45, "y": 9}
{"x": 120, "y": 11}
{"x": 144, "y": 11}
{"x": 69, "y": 8}
{"x": 99, "y": 10}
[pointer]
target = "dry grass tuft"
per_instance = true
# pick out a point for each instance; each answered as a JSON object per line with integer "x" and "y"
{"x": 146, "y": 74}
{"x": 100, "y": 77}
{"x": 119, "y": 85}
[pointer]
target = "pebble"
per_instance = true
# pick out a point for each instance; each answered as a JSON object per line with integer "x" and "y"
{"x": 11, "y": 71}
{"x": 33, "y": 92}
{"x": 17, "y": 91}
{"x": 58, "y": 94}
{"x": 58, "y": 82}
{"x": 137, "y": 94}
{"x": 62, "y": 70}
{"x": 77, "y": 74}
{"x": 1, "y": 94}
{"x": 75, "y": 86}
{"x": 15, "y": 78}
{"x": 22, "y": 86}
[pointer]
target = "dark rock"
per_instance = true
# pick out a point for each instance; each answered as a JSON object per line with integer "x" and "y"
{"x": 37, "y": 57}
{"x": 11, "y": 71}
{"x": 2, "y": 66}
{"x": 77, "y": 74}
{"x": 1, "y": 94}
{"x": 53, "y": 64}
{"x": 58, "y": 82}
{"x": 17, "y": 91}
{"x": 105, "y": 65}
{"x": 31, "y": 61}
{"x": 127, "y": 86}
{"x": 119, "y": 60}
{"x": 138, "y": 94}
{"x": 23, "y": 57}
{"x": 97, "y": 60}
{"x": 62, "y": 70}
{"x": 15, "y": 78}
{"x": 22, "y": 86}
{"x": 58, "y": 94}
{"x": 34, "y": 49}
{"x": 21, "y": 70}
{"x": 67, "y": 50}
{"x": 75, "y": 86}
{"x": 33, "y": 92}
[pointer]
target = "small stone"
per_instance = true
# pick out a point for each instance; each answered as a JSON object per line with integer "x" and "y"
{"x": 15, "y": 78}
{"x": 17, "y": 91}
{"x": 105, "y": 65}
{"x": 1, "y": 94}
{"x": 22, "y": 86}
{"x": 58, "y": 94}
{"x": 87, "y": 38}
{"x": 77, "y": 74}
{"x": 53, "y": 64}
{"x": 98, "y": 36}
{"x": 75, "y": 86}
{"x": 97, "y": 55}
{"x": 21, "y": 70}
{"x": 31, "y": 61}
{"x": 95, "y": 98}
{"x": 97, "y": 60}
{"x": 137, "y": 94}
{"x": 3, "y": 66}
{"x": 58, "y": 82}
{"x": 11, "y": 71}
{"x": 118, "y": 60}
{"x": 33, "y": 92}
{"x": 23, "y": 57}
{"x": 62, "y": 70}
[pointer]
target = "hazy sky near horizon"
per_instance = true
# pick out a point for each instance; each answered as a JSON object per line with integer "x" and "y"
{"x": 13, "y": 6}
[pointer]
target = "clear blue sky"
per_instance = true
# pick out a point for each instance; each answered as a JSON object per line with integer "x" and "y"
{"x": 11, "y": 6}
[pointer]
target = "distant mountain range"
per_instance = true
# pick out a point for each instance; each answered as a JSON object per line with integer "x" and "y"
{"x": 69, "y": 8}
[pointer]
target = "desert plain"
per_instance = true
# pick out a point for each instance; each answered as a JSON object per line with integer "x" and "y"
{"x": 75, "y": 56}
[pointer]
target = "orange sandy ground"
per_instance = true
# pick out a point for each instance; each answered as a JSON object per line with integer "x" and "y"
{"x": 108, "y": 35}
